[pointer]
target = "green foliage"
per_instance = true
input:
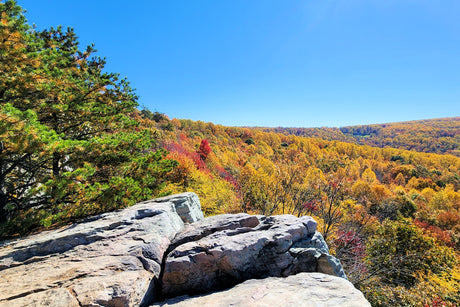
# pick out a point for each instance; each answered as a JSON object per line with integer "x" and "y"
{"x": 399, "y": 251}
{"x": 407, "y": 207}
{"x": 155, "y": 116}
{"x": 70, "y": 143}
{"x": 73, "y": 144}
{"x": 24, "y": 147}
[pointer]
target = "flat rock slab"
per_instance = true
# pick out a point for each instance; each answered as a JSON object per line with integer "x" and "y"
{"x": 303, "y": 289}
{"x": 108, "y": 260}
{"x": 221, "y": 251}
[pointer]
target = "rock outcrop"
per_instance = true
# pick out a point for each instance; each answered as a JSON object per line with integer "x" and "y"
{"x": 108, "y": 260}
{"x": 303, "y": 289}
{"x": 165, "y": 248}
{"x": 224, "y": 250}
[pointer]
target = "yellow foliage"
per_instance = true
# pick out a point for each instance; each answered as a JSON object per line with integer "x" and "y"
{"x": 428, "y": 194}
{"x": 216, "y": 195}
{"x": 413, "y": 183}
{"x": 446, "y": 199}
{"x": 315, "y": 178}
{"x": 380, "y": 192}
{"x": 369, "y": 176}
{"x": 361, "y": 189}
{"x": 400, "y": 180}
{"x": 399, "y": 191}
{"x": 444, "y": 286}
{"x": 352, "y": 171}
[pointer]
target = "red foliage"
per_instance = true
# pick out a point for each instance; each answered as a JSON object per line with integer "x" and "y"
{"x": 178, "y": 148}
{"x": 435, "y": 232}
{"x": 333, "y": 184}
{"x": 350, "y": 239}
{"x": 310, "y": 206}
{"x": 421, "y": 224}
{"x": 204, "y": 150}
{"x": 437, "y": 302}
{"x": 199, "y": 162}
{"x": 448, "y": 219}
{"x": 351, "y": 249}
{"x": 227, "y": 177}
{"x": 183, "y": 137}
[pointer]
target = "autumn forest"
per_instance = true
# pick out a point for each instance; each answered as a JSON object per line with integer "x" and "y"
{"x": 73, "y": 143}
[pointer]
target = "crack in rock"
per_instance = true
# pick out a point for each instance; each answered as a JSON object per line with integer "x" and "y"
{"x": 214, "y": 254}
{"x": 157, "y": 249}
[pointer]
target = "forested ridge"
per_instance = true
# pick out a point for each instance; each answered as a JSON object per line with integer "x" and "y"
{"x": 391, "y": 215}
{"x": 73, "y": 144}
{"x": 440, "y": 135}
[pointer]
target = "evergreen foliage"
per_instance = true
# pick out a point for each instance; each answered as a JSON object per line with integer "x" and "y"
{"x": 70, "y": 144}
{"x": 73, "y": 144}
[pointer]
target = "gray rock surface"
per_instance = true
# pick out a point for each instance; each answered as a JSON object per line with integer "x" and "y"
{"x": 224, "y": 250}
{"x": 108, "y": 260}
{"x": 303, "y": 289}
{"x": 126, "y": 258}
{"x": 187, "y": 206}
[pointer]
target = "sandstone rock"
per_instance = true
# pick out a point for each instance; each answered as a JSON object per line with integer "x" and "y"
{"x": 304, "y": 289}
{"x": 53, "y": 298}
{"x": 222, "y": 251}
{"x": 213, "y": 224}
{"x": 119, "y": 259}
{"x": 108, "y": 260}
{"x": 187, "y": 206}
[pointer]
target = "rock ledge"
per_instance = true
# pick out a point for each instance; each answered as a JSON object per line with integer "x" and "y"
{"x": 166, "y": 248}
{"x": 303, "y": 289}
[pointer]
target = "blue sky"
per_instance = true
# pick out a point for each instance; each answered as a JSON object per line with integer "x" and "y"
{"x": 288, "y": 63}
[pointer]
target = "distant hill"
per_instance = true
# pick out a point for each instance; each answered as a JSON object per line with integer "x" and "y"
{"x": 73, "y": 145}
{"x": 440, "y": 135}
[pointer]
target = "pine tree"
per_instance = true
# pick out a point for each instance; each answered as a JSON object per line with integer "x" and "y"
{"x": 79, "y": 149}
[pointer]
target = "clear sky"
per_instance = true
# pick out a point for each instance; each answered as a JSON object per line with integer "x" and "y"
{"x": 291, "y": 63}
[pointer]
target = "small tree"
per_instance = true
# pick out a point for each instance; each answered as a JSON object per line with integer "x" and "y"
{"x": 204, "y": 149}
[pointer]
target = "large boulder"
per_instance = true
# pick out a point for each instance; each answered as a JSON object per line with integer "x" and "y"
{"x": 164, "y": 247}
{"x": 224, "y": 250}
{"x": 303, "y": 289}
{"x": 113, "y": 259}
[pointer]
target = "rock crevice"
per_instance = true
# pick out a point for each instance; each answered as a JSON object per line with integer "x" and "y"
{"x": 222, "y": 251}
{"x": 160, "y": 249}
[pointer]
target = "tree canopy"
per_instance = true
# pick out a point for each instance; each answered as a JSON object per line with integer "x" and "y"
{"x": 71, "y": 144}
